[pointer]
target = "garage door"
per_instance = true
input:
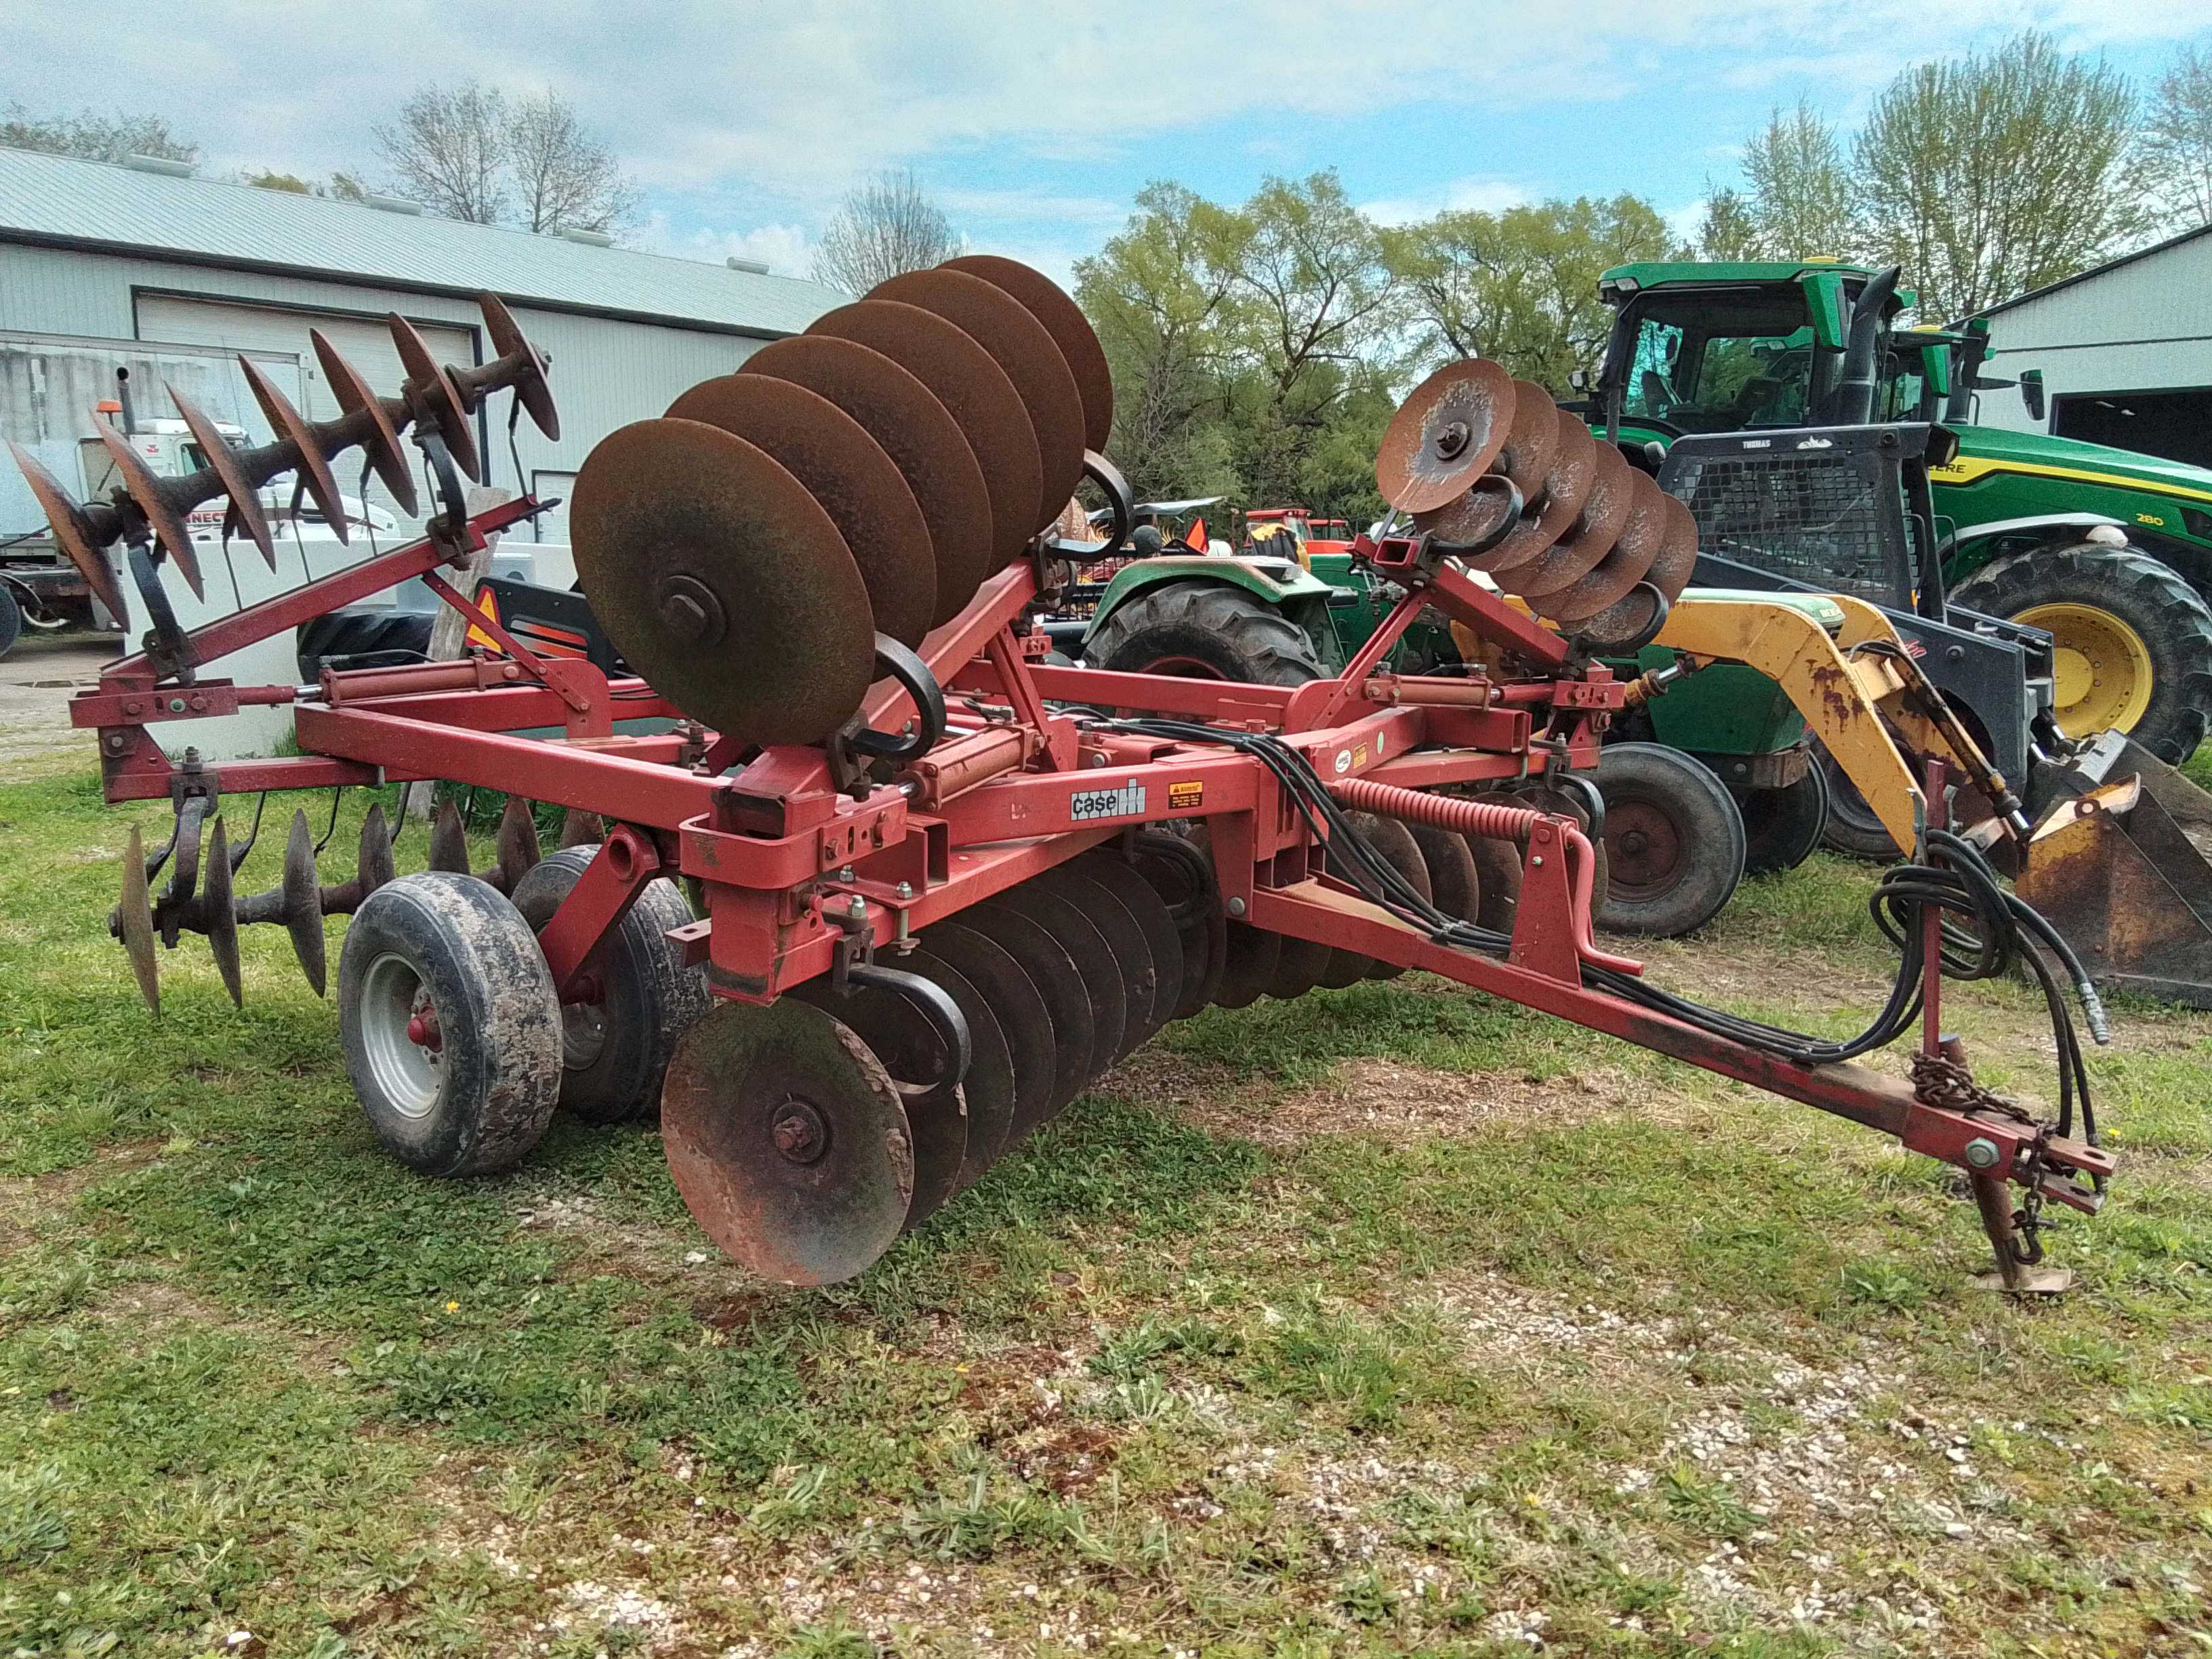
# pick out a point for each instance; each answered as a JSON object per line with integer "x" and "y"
{"x": 364, "y": 341}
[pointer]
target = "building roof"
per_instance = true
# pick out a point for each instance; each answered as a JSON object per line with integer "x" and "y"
{"x": 60, "y": 202}
{"x": 2171, "y": 242}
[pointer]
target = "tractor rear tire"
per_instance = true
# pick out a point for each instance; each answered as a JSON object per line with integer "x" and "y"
{"x": 364, "y": 631}
{"x": 1204, "y": 630}
{"x": 2134, "y": 640}
{"x": 1673, "y": 841}
{"x": 1851, "y": 829}
{"x": 1781, "y": 827}
{"x": 450, "y": 1024}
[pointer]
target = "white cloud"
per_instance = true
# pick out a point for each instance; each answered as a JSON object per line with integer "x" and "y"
{"x": 786, "y": 250}
{"x": 1475, "y": 194}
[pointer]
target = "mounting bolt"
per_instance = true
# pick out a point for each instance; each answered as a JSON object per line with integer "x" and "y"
{"x": 116, "y": 740}
{"x": 845, "y": 873}
{"x": 906, "y": 890}
{"x": 798, "y": 1131}
{"x": 1098, "y": 758}
{"x": 1982, "y": 1153}
{"x": 1538, "y": 860}
{"x": 857, "y": 907}
{"x": 176, "y": 705}
{"x": 1236, "y": 907}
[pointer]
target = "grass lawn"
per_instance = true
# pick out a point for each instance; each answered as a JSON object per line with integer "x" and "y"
{"x": 1389, "y": 1321}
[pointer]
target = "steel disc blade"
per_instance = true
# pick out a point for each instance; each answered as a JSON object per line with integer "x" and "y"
{"x": 722, "y": 581}
{"x": 847, "y": 471}
{"x": 1024, "y": 1020}
{"x": 449, "y": 839}
{"x": 787, "y": 1142}
{"x": 580, "y": 828}
{"x": 1624, "y": 564}
{"x": 1070, "y": 329}
{"x": 1574, "y": 554}
{"x": 1126, "y": 944}
{"x": 531, "y": 387}
{"x": 1498, "y": 865}
{"x": 1549, "y": 514}
{"x": 914, "y": 1056}
{"x": 1093, "y": 957}
{"x": 1678, "y": 555}
{"x": 1445, "y": 435}
{"x": 1455, "y": 881}
{"x": 1531, "y": 440}
{"x": 374, "y": 867}
{"x": 1058, "y": 980}
{"x": 1299, "y": 965}
{"x": 1162, "y": 939}
{"x": 432, "y": 392}
{"x": 1201, "y": 928}
{"x": 518, "y": 849}
{"x": 1020, "y": 344}
{"x": 134, "y": 923}
{"x": 303, "y": 903}
{"x": 73, "y": 530}
{"x": 1249, "y": 957}
{"x": 1395, "y": 842}
{"x": 220, "y": 914}
{"x": 920, "y": 435}
{"x": 245, "y": 496}
{"x": 967, "y": 380}
{"x": 290, "y": 425}
{"x": 167, "y": 524}
{"x": 1344, "y": 968}
{"x": 381, "y": 440}
{"x": 990, "y": 1086}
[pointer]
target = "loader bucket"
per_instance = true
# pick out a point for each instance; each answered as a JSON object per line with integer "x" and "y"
{"x": 2120, "y": 871}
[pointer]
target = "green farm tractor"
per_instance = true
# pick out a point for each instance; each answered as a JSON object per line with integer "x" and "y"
{"x": 2108, "y": 551}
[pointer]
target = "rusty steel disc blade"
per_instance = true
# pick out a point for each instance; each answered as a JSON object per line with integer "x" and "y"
{"x": 1201, "y": 928}
{"x": 1671, "y": 571}
{"x": 1574, "y": 554}
{"x": 1531, "y": 440}
{"x": 788, "y": 1141}
{"x": 913, "y": 1056}
{"x": 1163, "y": 942}
{"x": 1625, "y": 564}
{"x": 1498, "y": 865}
{"x": 1020, "y": 345}
{"x": 374, "y": 866}
{"x": 1249, "y": 957}
{"x": 243, "y": 493}
{"x": 1126, "y": 947}
{"x": 848, "y": 473}
{"x": 220, "y": 914}
{"x": 73, "y": 531}
{"x": 1552, "y": 510}
{"x": 380, "y": 438}
{"x": 1073, "y": 1024}
{"x": 528, "y": 373}
{"x": 449, "y": 840}
{"x": 1073, "y": 930}
{"x": 303, "y": 903}
{"x": 1394, "y": 842}
{"x": 134, "y": 923}
{"x": 989, "y": 1085}
{"x": 1624, "y": 620}
{"x": 433, "y": 397}
{"x": 290, "y": 427}
{"x": 1445, "y": 435}
{"x": 1299, "y": 965}
{"x": 167, "y": 524}
{"x": 722, "y": 581}
{"x": 1455, "y": 882}
{"x": 920, "y": 435}
{"x": 1070, "y": 329}
{"x": 967, "y": 380}
{"x": 1024, "y": 1022}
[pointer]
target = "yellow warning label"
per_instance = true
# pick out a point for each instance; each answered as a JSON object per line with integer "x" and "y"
{"x": 1182, "y": 797}
{"x": 1359, "y": 755}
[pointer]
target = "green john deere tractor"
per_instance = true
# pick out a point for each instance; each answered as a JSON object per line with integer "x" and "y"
{"x": 2108, "y": 551}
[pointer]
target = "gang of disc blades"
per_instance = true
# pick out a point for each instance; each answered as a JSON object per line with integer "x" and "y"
{"x": 859, "y": 486}
{"x": 1497, "y": 864}
{"x": 1070, "y": 329}
{"x": 989, "y": 1085}
{"x": 1551, "y": 512}
{"x": 435, "y": 397}
{"x": 1299, "y": 966}
{"x": 967, "y": 380}
{"x": 1202, "y": 929}
{"x": 1445, "y": 435}
{"x": 169, "y": 528}
{"x": 380, "y": 438}
{"x": 1121, "y": 878}
{"x": 1019, "y": 343}
{"x": 1574, "y": 554}
{"x": 72, "y": 528}
{"x": 920, "y": 435}
{"x": 1624, "y": 563}
{"x": 243, "y": 493}
{"x": 1094, "y": 961}
{"x": 1395, "y": 842}
{"x": 1531, "y": 440}
{"x": 1126, "y": 944}
{"x": 788, "y": 1141}
{"x": 914, "y": 1056}
{"x": 1455, "y": 882}
{"x": 722, "y": 581}
{"x": 1067, "y": 1002}
{"x": 292, "y": 427}
{"x": 1023, "y": 1019}
{"x": 1249, "y": 957}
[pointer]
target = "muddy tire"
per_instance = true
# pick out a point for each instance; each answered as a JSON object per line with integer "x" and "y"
{"x": 1781, "y": 827}
{"x": 450, "y": 1025}
{"x": 614, "y": 1051}
{"x": 1673, "y": 841}
{"x": 11, "y": 620}
{"x": 2134, "y": 640}
{"x": 1204, "y": 630}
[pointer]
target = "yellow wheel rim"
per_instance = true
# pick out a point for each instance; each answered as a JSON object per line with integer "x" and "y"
{"x": 2104, "y": 668}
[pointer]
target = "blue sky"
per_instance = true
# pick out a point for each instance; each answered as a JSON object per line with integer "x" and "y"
{"x": 1034, "y": 121}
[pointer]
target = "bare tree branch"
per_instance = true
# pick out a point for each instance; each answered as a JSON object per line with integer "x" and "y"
{"x": 448, "y": 151}
{"x": 2177, "y": 140}
{"x": 887, "y": 227}
{"x": 564, "y": 179}
{"x": 94, "y": 137}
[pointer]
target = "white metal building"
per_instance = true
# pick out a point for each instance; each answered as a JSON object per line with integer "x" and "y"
{"x": 2126, "y": 352}
{"x": 100, "y": 253}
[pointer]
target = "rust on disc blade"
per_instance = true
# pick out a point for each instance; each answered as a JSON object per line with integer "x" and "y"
{"x": 289, "y": 426}
{"x": 303, "y": 903}
{"x": 1024, "y": 1020}
{"x": 508, "y": 340}
{"x": 989, "y": 1085}
{"x": 434, "y": 394}
{"x": 1554, "y": 509}
{"x": 722, "y": 581}
{"x": 787, "y": 1142}
{"x": 969, "y": 383}
{"x": 913, "y": 1054}
{"x": 1678, "y": 555}
{"x": 1621, "y": 620}
{"x": 72, "y": 530}
{"x": 845, "y": 469}
{"x": 1531, "y": 440}
{"x": 1019, "y": 344}
{"x": 380, "y": 442}
{"x": 169, "y": 527}
{"x": 1574, "y": 554}
{"x": 1070, "y": 329}
{"x": 920, "y": 435}
{"x": 1626, "y": 562}
{"x": 1445, "y": 435}
{"x": 134, "y": 923}
{"x": 245, "y": 496}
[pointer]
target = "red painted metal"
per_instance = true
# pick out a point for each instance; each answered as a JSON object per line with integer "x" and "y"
{"x": 595, "y": 906}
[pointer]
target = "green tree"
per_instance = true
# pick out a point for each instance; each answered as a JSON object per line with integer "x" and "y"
{"x": 1988, "y": 176}
{"x": 1727, "y": 230}
{"x": 2177, "y": 139}
{"x": 95, "y": 138}
{"x": 1800, "y": 198}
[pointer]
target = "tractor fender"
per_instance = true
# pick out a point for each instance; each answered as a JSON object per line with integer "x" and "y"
{"x": 1255, "y": 576}
{"x": 2068, "y": 523}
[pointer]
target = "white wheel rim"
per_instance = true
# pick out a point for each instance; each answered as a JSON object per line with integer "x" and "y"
{"x": 406, "y": 1073}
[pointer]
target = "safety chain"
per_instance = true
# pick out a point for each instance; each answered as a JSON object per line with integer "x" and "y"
{"x": 1939, "y": 1080}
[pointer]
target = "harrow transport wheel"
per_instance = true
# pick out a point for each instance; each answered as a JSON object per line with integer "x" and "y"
{"x": 788, "y": 1141}
{"x": 1204, "y": 630}
{"x": 1023, "y": 1021}
{"x": 450, "y": 1024}
{"x": 615, "y": 1050}
{"x": 1071, "y": 1026}
{"x": 1781, "y": 827}
{"x": 1673, "y": 841}
{"x": 989, "y": 1087}
{"x": 913, "y": 1054}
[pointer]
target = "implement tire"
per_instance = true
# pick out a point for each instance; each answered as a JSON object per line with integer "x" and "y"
{"x": 2134, "y": 640}
{"x": 1204, "y": 630}
{"x": 1674, "y": 841}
